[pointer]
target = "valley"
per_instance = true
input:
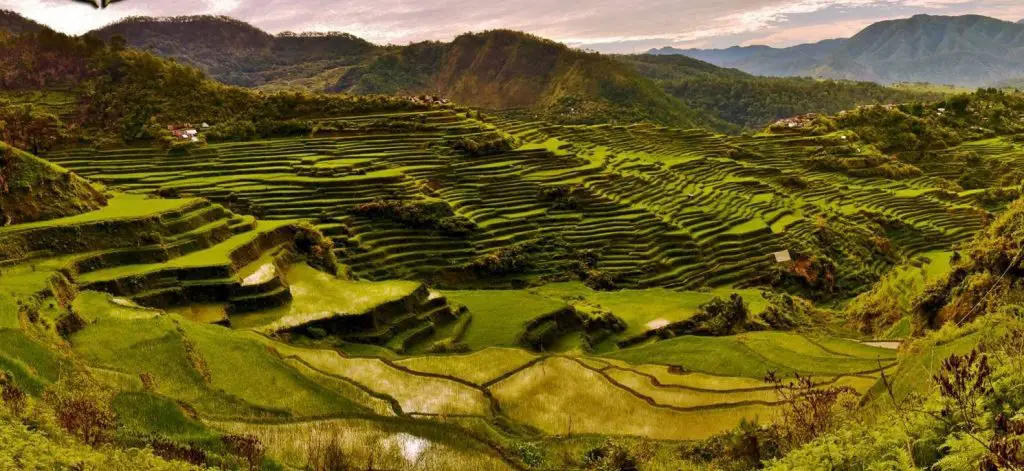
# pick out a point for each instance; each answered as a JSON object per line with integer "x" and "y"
{"x": 197, "y": 275}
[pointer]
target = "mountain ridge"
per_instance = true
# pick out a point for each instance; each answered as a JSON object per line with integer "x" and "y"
{"x": 968, "y": 50}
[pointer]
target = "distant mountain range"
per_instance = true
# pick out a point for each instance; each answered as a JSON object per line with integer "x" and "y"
{"x": 967, "y": 50}
{"x": 499, "y": 70}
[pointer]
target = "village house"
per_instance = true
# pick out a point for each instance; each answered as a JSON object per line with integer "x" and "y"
{"x": 184, "y": 131}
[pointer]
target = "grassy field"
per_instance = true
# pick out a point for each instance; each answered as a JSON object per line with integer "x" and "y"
{"x": 754, "y": 354}
{"x": 500, "y": 315}
{"x": 317, "y": 295}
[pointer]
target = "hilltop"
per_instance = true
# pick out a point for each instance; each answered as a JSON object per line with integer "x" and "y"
{"x": 236, "y": 52}
{"x": 507, "y": 69}
{"x": 32, "y": 189}
{"x": 966, "y": 50}
{"x": 13, "y": 23}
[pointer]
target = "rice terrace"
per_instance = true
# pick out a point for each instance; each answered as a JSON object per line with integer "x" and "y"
{"x": 310, "y": 251}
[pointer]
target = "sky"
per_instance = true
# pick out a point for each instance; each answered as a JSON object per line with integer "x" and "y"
{"x": 603, "y": 25}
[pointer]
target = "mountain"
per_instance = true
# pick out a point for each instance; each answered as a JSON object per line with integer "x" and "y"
{"x": 753, "y": 102}
{"x": 507, "y": 69}
{"x": 14, "y": 23}
{"x": 502, "y": 70}
{"x": 966, "y": 50}
{"x": 236, "y": 52}
{"x": 762, "y": 60}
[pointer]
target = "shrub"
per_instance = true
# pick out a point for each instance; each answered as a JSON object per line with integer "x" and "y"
{"x": 479, "y": 146}
{"x": 82, "y": 407}
{"x": 327, "y": 455}
{"x": 561, "y": 197}
{"x": 318, "y": 250}
{"x": 741, "y": 449}
{"x": 505, "y": 260}
{"x": 530, "y": 453}
{"x": 247, "y": 447}
{"x": 420, "y": 214}
{"x": 809, "y": 410}
{"x": 11, "y": 395}
{"x": 617, "y": 456}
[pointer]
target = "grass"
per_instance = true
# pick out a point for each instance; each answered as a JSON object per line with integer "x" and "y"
{"x": 149, "y": 413}
{"x": 684, "y": 398}
{"x": 561, "y": 397}
{"x": 220, "y": 254}
{"x": 93, "y": 305}
{"x": 210, "y": 367}
{"x": 500, "y": 315}
{"x": 31, "y": 364}
{"x": 750, "y": 355}
{"x": 641, "y": 308}
{"x": 317, "y": 296}
{"x": 248, "y": 371}
{"x": 123, "y": 206}
{"x": 380, "y": 444}
{"x": 415, "y": 393}
{"x": 477, "y": 368}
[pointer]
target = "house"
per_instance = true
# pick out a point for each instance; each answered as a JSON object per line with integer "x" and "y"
{"x": 183, "y": 131}
{"x": 782, "y": 256}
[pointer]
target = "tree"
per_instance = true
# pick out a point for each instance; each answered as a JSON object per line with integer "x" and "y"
{"x": 82, "y": 407}
{"x": 27, "y": 128}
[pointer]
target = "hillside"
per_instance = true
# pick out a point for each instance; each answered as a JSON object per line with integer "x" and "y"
{"x": 13, "y": 23}
{"x": 236, "y": 52}
{"x": 328, "y": 281}
{"x": 507, "y": 69}
{"x": 752, "y": 102}
{"x": 494, "y": 70}
{"x": 960, "y": 50}
{"x": 32, "y": 189}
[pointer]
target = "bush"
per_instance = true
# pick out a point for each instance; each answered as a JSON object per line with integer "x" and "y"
{"x": 419, "y": 214}
{"x": 479, "y": 146}
{"x": 82, "y": 407}
{"x": 246, "y": 447}
{"x": 741, "y": 449}
{"x": 617, "y": 456}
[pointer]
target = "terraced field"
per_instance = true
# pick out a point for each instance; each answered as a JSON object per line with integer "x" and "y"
{"x": 659, "y": 207}
{"x": 150, "y": 285}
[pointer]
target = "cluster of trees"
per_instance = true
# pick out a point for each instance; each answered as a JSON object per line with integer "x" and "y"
{"x": 436, "y": 215}
{"x": 916, "y": 128}
{"x": 742, "y": 101}
{"x": 124, "y": 93}
{"x": 30, "y": 128}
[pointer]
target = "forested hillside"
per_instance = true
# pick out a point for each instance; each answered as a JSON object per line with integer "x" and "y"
{"x": 236, "y": 52}
{"x": 13, "y": 23}
{"x": 752, "y": 102}
{"x": 507, "y": 69}
{"x": 114, "y": 94}
{"x": 496, "y": 70}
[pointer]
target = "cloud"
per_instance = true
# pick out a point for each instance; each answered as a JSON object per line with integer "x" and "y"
{"x": 603, "y": 24}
